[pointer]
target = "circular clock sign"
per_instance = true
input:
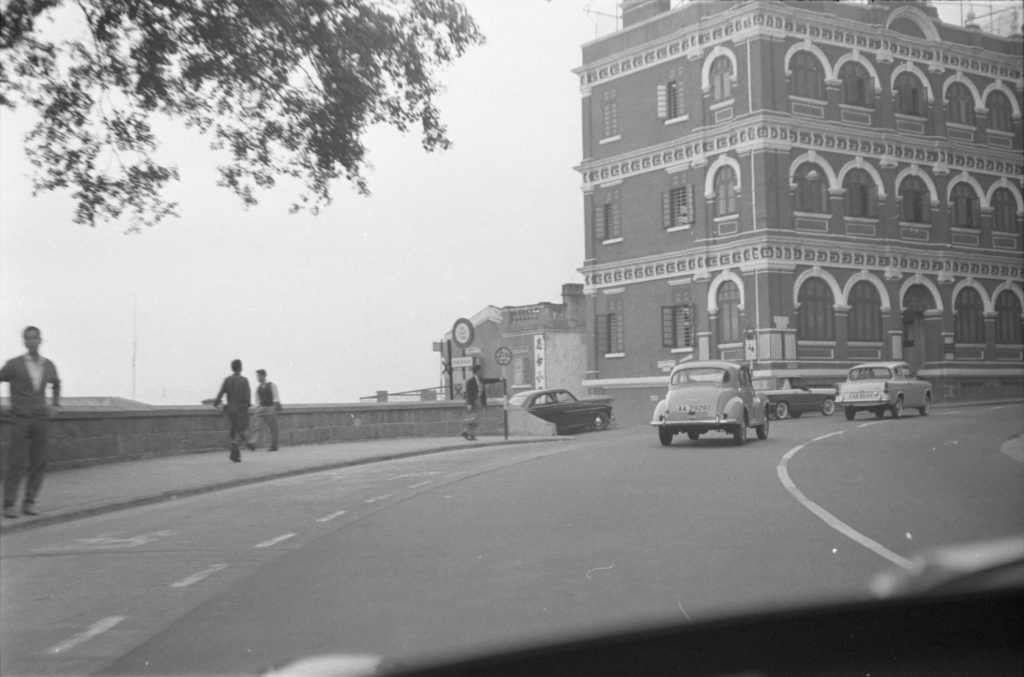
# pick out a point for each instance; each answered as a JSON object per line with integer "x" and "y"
{"x": 462, "y": 332}
{"x": 503, "y": 356}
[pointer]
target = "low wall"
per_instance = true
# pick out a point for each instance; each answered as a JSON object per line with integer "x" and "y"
{"x": 91, "y": 437}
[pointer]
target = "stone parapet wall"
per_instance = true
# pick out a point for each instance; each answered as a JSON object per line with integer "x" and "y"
{"x": 79, "y": 438}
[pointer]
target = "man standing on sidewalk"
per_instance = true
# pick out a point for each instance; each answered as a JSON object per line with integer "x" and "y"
{"x": 236, "y": 390}
{"x": 269, "y": 404}
{"x": 476, "y": 399}
{"x": 28, "y": 376}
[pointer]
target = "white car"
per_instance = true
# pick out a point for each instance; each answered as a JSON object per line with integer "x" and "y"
{"x": 879, "y": 387}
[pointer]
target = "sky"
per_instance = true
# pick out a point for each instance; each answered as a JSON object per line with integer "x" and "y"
{"x": 334, "y": 306}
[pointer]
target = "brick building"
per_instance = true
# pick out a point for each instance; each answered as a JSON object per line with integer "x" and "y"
{"x": 840, "y": 181}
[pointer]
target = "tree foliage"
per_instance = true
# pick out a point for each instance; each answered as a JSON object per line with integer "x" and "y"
{"x": 286, "y": 88}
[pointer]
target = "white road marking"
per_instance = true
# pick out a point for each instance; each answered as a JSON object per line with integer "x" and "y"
{"x": 377, "y": 498}
{"x": 112, "y": 542}
{"x": 97, "y": 628}
{"x": 825, "y": 437}
{"x": 680, "y": 603}
{"x": 328, "y": 518}
{"x": 273, "y": 541}
{"x": 195, "y": 578}
{"x": 599, "y": 569}
{"x": 831, "y": 519}
{"x": 865, "y": 425}
{"x": 947, "y": 413}
{"x": 419, "y": 484}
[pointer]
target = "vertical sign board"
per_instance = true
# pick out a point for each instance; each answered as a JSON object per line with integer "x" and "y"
{"x": 539, "y": 366}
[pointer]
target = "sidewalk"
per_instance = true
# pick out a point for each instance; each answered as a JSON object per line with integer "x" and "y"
{"x": 83, "y": 492}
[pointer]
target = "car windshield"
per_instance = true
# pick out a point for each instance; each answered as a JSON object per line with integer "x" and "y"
{"x": 517, "y": 400}
{"x": 870, "y": 374}
{"x": 700, "y": 375}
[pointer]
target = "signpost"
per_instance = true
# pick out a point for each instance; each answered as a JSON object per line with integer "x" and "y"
{"x": 503, "y": 356}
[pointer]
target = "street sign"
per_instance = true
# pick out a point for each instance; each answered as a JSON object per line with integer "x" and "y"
{"x": 750, "y": 347}
{"x": 462, "y": 332}
{"x": 503, "y": 356}
{"x": 462, "y": 362}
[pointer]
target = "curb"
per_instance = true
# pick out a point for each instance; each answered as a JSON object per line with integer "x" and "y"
{"x": 75, "y": 514}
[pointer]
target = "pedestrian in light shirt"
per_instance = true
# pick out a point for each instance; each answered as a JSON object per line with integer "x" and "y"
{"x": 28, "y": 376}
{"x": 268, "y": 404}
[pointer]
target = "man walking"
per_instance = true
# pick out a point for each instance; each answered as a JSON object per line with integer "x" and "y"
{"x": 236, "y": 390}
{"x": 476, "y": 399}
{"x": 28, "y": 376}
{"x": 269, "y": 404}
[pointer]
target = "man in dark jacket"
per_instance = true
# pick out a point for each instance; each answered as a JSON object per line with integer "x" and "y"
{"x": 239, "y": 397}
{"x": 476, "y": 398}
{"x": 28, "y": 375}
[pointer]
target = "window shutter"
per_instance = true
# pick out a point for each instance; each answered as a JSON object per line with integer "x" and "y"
{"x": 668, "y": 315}
{"x": 600, "y": 227}
{"x": 688, "y": 193}
{"x": 666, "y": 209}
{"x": 662, "y": 102}
{"x": 616, "y": 223}
{"x": 602, "y": 334}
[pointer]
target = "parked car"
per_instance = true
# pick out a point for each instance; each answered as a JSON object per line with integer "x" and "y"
{"x": 561, "y": 407}
{"x": 711, "y": 395}
{"x": 883, "y": 386}
{"x": 793, "y": 397}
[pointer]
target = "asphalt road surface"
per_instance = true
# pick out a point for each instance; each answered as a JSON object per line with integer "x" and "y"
{"x": 467, "y": 550}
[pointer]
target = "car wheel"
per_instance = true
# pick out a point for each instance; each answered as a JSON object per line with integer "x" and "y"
{"x": 923, "y": 410}
{"x": 693, "y": 434}
{"x": 828, "y": 406}
{"x": 897, "y": 408}
{"x": 739, "y": 433}
{"x": 665, "y": 436}
{"x": 880, "y": 412}
{"x": 781, "y": 410}
{"x": 762, "y": 430}
{"x": 850, "y": 413}
{"x": 600, "y": 421}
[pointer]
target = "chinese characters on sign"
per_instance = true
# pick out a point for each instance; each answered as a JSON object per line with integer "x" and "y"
{"x": 539, "y": 379}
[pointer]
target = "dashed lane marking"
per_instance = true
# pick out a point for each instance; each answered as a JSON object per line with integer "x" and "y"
{"x": 829, "y": 518}
{"x": 419, "y": 484}
{"x": 195, "y": 578}
{"x": 97, "y": 628}
{"x": 333, "y": 515}
{"x": 825, "y": 437}
{"x": 273, "y": 541}
{"x": 377, "y": 498}
{"x": 869, "y": 423}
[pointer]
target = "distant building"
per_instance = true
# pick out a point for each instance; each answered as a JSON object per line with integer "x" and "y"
{"x": 839, "y": 181}
{"x": 547, "y": 342}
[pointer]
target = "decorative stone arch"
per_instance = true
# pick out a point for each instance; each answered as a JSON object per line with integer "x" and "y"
{"x": 860, "y": 163}
{"x": 813, "y": 157}
{"x": 705, "y": 71}
{"x": 986, "y": 302}
{"x": 720, "y": 279}
{"x": 915, "y": 170}
{"x": 709, "y": 176}
{"x": 1000, "y": 86}
{"x": 920, "y": 279}
{"x": 858, "y": 57}
{"x": 866, "y": 276}
{"x": 909, "y": 67}
{"x": 1011, "y": 287}
{"x": 808, "y": 46}
{"x": 979, "y": 101}
{"x": 923, "y": 22}
{"x": 1010, "y": 186}
{"x": 838, "y": 297}
{"x": 964, "y": 177}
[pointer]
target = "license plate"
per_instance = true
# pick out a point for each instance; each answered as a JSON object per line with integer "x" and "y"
{"x": 863, "y": 396}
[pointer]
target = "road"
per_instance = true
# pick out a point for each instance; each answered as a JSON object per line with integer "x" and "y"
{"x": 472, "y": 549}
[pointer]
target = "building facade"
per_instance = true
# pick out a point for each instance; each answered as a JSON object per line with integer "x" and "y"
{"x": 840, "y": 182}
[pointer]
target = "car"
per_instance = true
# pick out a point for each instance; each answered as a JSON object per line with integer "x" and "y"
{"x": 711, "y": 395}
{"x": 791, "y": 396}
{"x": 879, "y": 387}
{"x": 561, "y": 407}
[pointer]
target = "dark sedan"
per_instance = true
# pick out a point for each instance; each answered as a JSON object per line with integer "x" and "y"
{"x": 792, "y": 396}
{"x": 559, "y": 406}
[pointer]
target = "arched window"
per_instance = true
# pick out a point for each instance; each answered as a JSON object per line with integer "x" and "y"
{"x": 907, "y": 27}
{"x": 811, "y": 189}
{"x": 721, "y": 79}
{"x": 861, "y": 194}
{"x": 816, "y": 314}
{"x": 969, "y": 323}
{"x": 959, "y": 104}
{"x": 808, "y": 80}
{"x": 728, "y": 299}
{"x": 1004, "y": 210}
{"x": 1000, "y": 114}
{"x": 725, "y": 191}
{"x": 966, "y": 206}
{"x": 858, "y": 85}
{"x": 915, "y": 201}
{"x": 1008, "y": 328}
{"x": 911, "y": 95}
{"x": 865, "y": 321}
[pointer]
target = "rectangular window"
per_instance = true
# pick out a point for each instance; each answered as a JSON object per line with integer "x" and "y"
{"x": 670, "y": 96}
{"x": 607, "y": 217}
{"x": 610, "y": 113}
{"x": 677, "y": 204}
{"x": 610, "y": 329}
{"x": 677, "y": 325}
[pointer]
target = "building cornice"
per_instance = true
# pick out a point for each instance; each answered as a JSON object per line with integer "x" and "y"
{"x": 781, "y": 252}
{"x": 771, "y": 131}
{"x": 782, "y": 21}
